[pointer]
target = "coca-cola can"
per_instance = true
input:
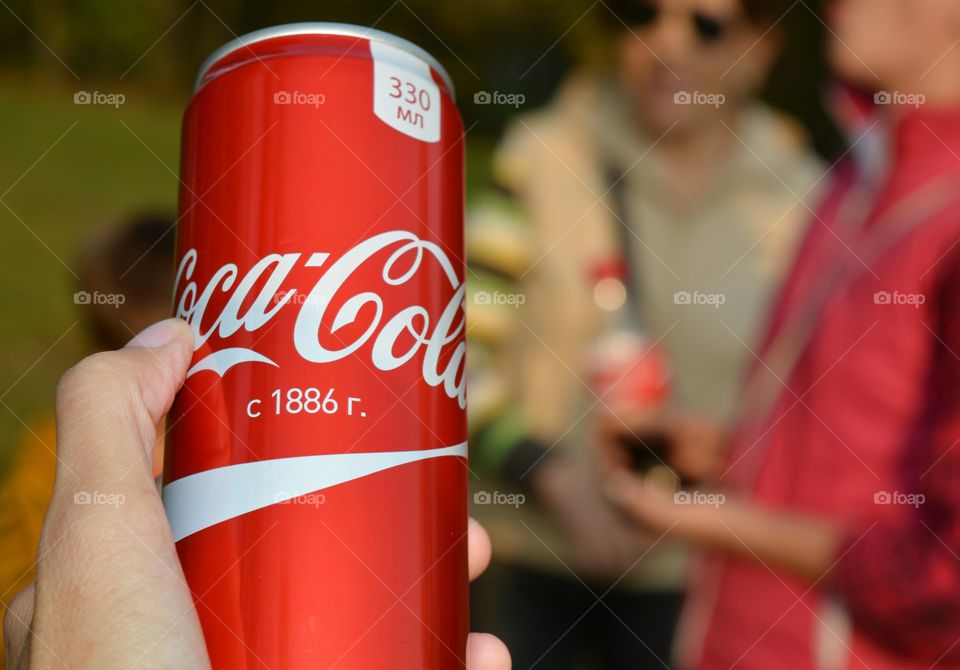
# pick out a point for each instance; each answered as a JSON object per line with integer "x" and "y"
{"x": 315, "y": 471}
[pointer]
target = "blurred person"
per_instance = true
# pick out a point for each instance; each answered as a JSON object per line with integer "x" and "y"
{"x": 110, "y": 592}
{"x": 672, "y": 166}
{"x": 834, "y": 540}
{"x": 133, "y": 260}
{"x": 125, "y": 284}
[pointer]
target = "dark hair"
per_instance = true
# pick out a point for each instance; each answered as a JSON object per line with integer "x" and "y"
{"x": 133, "y": 258}
{"x": 759, "y": 12}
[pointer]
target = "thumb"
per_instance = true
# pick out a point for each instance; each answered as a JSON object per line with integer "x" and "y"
{"x": 109, "y": 404}
{"x": 629, "y": 493}
{"x": 106, "y": 554}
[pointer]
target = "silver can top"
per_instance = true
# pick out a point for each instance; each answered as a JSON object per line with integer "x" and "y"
{"x": 321, "y": 28}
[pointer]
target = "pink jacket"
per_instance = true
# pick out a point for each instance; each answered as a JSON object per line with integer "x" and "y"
{"x": 862, "y": 429}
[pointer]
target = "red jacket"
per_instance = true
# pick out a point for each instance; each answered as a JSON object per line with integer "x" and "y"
{"x": 864, "y": 428}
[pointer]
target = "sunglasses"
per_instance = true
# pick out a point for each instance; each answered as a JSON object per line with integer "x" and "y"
{"x": 708, "y": 28}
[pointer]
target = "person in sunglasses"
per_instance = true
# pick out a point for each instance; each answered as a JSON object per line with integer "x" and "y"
{"x": 834, "y": 540}
{"x": 667, "y": 161}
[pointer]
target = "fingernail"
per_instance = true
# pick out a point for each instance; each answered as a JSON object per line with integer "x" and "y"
{"x": 159, "y": 334}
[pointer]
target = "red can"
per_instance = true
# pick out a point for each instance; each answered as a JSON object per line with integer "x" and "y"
{"x": 315, "y": 474}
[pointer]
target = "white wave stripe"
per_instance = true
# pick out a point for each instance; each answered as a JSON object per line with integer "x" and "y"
{"x": 207, "y": 498}
{"x": 221, "y": 361}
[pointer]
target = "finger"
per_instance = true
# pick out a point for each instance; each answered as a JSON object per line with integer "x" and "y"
{"x": 626, "y": 492}
{"x": 611, "y": 456}
{"x": 16, "y": 626}
{"x": 486, "y": 652}
{"x": 478, "y": 548}
{"x": 110, "y": 584}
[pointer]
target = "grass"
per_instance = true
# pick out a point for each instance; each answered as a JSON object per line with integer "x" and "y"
{"x": 66, "y": 171}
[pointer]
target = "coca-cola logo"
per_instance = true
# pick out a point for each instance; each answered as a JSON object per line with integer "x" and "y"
{"x": 251, "y": 303}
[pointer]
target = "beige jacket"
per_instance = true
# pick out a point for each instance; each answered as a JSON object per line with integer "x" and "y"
{"x": 735, "y": 243}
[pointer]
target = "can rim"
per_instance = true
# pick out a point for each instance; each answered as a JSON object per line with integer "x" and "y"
{"x": 323, "y": 28}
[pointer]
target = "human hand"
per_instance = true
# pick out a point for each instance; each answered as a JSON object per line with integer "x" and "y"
{"x": 602, "y": 543}
{"x": 653, "y": 508}
{"x": 795, "y": 542}
{"x": 651, "y": 499}
{"x": 693, "y": 447}
{"x": 109, "y": 590}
